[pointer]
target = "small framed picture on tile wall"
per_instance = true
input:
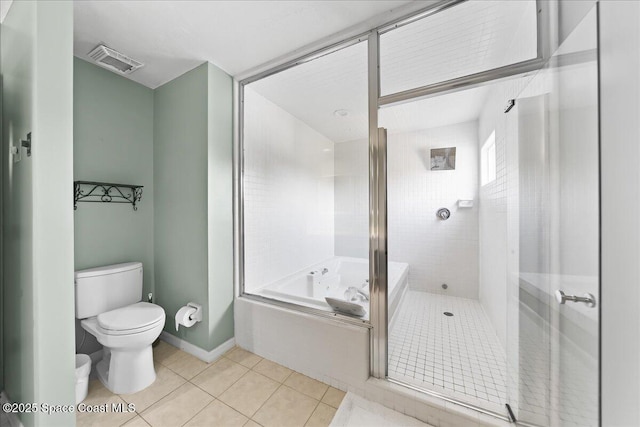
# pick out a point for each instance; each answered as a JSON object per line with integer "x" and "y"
{"x": 443, "y": 159}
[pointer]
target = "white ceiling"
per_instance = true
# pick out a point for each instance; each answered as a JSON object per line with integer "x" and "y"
{"x": 172, "y": 37}
{"x": 313, "y": 90}
{"x": 444, "y": 110}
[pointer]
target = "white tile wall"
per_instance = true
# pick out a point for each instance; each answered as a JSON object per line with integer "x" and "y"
{"x": 288, "y": 193}
{"x": 437, "y": 251}
{"x": 352, "y": 199}
{"x": 493, "y": 214}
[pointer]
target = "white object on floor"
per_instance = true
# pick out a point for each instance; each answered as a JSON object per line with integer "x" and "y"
{"x": 83, "y": 368}
{"x": 355, "y": 411}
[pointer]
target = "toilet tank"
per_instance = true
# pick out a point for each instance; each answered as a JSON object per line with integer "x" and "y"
{"x": 106, "y": 288}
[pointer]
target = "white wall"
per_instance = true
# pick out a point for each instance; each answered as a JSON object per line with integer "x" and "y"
{"x": 288, "y": 193}
{"x": 620, "y": 181}
{"x": 437, "y": 251}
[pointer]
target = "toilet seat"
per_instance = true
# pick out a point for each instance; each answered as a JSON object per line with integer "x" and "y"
{"x": 132, "y": 319}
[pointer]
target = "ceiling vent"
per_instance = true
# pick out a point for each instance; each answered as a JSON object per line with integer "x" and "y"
{"x": 114, "y": 61}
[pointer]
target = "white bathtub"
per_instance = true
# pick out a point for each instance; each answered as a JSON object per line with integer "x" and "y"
{"x": 341, "y": 272}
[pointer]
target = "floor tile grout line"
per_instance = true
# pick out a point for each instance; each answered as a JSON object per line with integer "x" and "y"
{"x": 265, "y": 401}
{"x": 311, "y": 414}
{"x": 288, "y": 376}
{"x": 196, "y": 414}
{"x": 137, "y": 415}
{"x": 325, "y": 393}
{"x": 281, "y": 382}
{"x": 232, "y": 384}
{"x": 306, "y": 395}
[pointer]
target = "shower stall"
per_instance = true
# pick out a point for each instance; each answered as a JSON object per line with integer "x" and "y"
{"x": 436, "y": 181}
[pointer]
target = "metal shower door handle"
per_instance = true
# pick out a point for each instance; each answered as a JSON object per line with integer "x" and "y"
{"x": 588, "y": 299}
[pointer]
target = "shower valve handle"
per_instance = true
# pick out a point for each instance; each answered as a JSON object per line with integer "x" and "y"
{"x": 443, "y": 213}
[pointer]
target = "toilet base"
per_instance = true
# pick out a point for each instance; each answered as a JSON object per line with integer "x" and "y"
{"x": 126, "y": 371}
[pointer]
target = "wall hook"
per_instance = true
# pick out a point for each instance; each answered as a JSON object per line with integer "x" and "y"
{"x": 27, "y": 144}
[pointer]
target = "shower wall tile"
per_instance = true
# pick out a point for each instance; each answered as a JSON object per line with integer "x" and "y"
{"x": 288, "y": 193}
{"x": 352, "y": 198}
{"x": 493, "y": 212}
{"x": 494, "y": 196}
{"x": 437, "y": 251}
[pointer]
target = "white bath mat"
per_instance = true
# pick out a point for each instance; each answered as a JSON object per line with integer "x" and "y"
{"x": 355, "y": 411}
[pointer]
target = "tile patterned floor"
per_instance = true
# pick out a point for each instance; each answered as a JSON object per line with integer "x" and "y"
{"x": 459, "y": 356}
{"x": 239, "y": 389}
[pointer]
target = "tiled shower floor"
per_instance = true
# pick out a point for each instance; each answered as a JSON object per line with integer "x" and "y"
{"x": 459, "y": 356}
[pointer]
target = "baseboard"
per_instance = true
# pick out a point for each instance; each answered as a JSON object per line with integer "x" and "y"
{"x": 12, "y": 418}
{"x": 194, "y": 350}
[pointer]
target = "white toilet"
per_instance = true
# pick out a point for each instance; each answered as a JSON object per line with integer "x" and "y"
{"x": 108, "y": 300}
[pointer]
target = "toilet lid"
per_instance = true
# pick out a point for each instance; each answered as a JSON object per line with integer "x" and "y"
{"x": 134, "y": 316}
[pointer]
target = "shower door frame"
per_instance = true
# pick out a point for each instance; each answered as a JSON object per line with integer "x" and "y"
{"x": 378, "y": 235}
{"x": 378, "y": 318}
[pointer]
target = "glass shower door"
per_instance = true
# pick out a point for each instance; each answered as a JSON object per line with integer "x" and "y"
{"x": 552, "y": 155}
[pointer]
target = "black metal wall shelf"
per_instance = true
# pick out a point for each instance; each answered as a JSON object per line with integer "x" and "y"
{"x": 105, "y": 192}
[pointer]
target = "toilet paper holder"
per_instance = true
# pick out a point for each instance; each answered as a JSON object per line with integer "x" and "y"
{"x": 195, "y": 316}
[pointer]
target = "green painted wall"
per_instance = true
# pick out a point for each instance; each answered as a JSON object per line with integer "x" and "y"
{"x": 220, "y": 205}
{"x": 113, "y": 142}
{"x": 18, "y": 40}
{"x": 53, "y": 213}
{"x": 193, "y": 203}
{"x": 37, "y": 70}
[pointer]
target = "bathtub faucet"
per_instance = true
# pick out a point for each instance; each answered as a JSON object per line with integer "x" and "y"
{"x": 353, "y": 294}
{"x": 365, "y": 296}
{"x": 325, "y": 271}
